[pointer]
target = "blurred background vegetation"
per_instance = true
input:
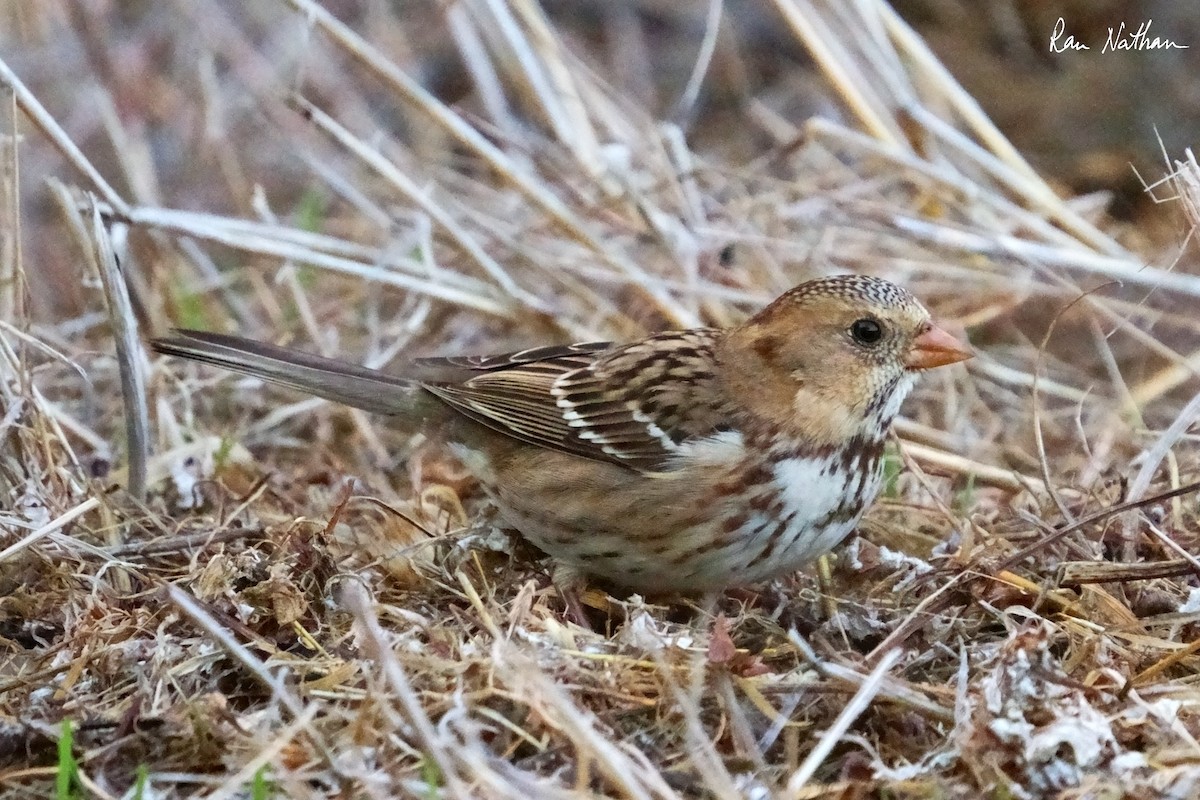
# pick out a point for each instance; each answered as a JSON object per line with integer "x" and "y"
{"x": 178, "y": 83}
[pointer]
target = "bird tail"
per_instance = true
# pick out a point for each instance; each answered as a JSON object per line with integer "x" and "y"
{"x": 339, "y": 381}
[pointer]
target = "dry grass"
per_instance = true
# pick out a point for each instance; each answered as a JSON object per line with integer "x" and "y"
{"x": 232, "y": 592}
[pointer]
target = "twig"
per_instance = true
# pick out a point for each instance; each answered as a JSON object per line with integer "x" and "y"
{"x": 49, "y": 528}
{"x": 256, "y": 238}
{"x": 1079, "y": 573}
{"x": 999, "y": 477}
{"x": 1038, "y": 437}
{"x": 857, "y": 705}
{"x": 235, "y": 784}
{"x": 708, "y": 45}
{"x": 360, "y": 604}
{"x": 130, "y": 356}
{"x": 1092, "y": 519}
{"x": 997, "y": 245}
{"x": 828, "y": 50}
{"x": 54, "y": 132}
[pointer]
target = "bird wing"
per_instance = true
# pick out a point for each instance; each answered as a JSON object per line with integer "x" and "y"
{"x": 631, "y": 404}
{"x": 565, "y": 354}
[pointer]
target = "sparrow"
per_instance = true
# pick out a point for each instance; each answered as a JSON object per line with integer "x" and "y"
{"x": 687, "y": 461}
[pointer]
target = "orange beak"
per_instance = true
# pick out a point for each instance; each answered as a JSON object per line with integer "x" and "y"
{"x": 933, "y": 347}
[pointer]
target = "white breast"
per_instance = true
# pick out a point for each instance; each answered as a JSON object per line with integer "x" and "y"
{"x": 817, "y": 495}
{"x": 810, "y": 487}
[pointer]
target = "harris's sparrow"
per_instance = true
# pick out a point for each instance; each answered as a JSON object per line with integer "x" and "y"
{"x": 686, "y": 461}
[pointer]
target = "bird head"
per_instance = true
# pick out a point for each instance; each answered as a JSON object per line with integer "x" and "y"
{"x": 834, "y": 358}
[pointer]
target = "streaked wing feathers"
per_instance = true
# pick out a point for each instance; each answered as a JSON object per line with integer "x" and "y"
{"x": 444, "y": 369}
{"x": 631, "y": 404}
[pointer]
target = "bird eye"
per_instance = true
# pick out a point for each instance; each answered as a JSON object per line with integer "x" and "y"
{"x": 866, "y": 331}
